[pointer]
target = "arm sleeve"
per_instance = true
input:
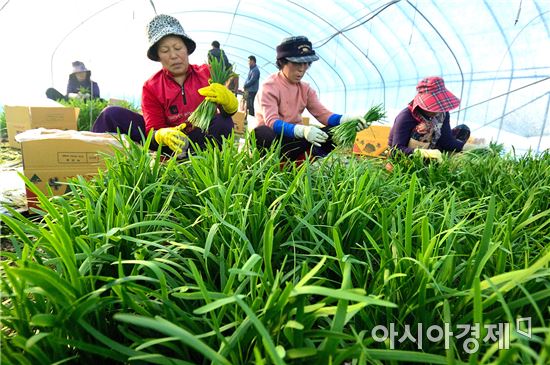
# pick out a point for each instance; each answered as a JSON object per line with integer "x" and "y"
{"x": 447, "y": 142}
{"x": 268, "y": 101}
{"x": 284, "y": 128}
{"x": 334, "y": 120}
{"x": 153, "y": 112}
{"x": 95, "y": 90}
{"x": 401, "y": 133}
{"x": 248, "y": 80}
{"x": 317, "y": 109}
{"x": 255, "y": 77}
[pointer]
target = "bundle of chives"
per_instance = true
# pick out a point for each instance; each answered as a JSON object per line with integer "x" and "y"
{"x": 344, "y": 134}
{"x": 202, "y": 116}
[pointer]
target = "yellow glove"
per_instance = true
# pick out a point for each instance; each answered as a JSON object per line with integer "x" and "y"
{"x": 219, "y": 94}
{"x": 429, "y": 153}
{"x": 174, "y": 138}
{"x": 181, "y": 127}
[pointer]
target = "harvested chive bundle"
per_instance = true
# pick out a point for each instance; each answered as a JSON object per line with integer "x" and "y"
{"x": 344, "y": 134}
{"x": 202, "y": 116}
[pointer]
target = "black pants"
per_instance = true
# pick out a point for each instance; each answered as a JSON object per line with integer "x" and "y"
{"x": 250, "y": 102}
{"x": 292, "y": 148}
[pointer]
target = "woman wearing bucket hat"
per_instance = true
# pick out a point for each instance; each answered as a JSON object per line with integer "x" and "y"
{"x": 424, "y": 126}
{"x": 171, "y": 95}
{"x": 80, "y": 79}
{"x": 80, "y": 85}
{"x": 282, "y": 99}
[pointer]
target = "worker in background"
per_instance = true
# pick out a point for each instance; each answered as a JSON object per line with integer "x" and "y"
{"x": 172, "y": 94}
{"x": 79, "y": 86}
{"x": 251, "y": 84}
{"x": 282, "y": 99}
{"x": 232, "y": 82}
{"x": 218, "y": 53}
{"x": 423, "y": 126}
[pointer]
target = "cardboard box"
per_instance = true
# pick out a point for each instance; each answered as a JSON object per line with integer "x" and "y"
{"x": 372, "y": 141}
{"x": 238, "y": 120}
{"x": 51, "y": 157}
{"x": 22, "y": 118}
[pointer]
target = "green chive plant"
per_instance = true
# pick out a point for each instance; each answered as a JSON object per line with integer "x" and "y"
{"x": 344, "y": 134}
{"x": 230, "y": 257}
{"x": 202, "y": 116}
{"x": 3, "y": 127}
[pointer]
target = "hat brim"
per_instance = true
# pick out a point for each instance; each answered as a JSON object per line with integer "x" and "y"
{"x": 79, "y": 71}
{"x": 301, "y": 59}
{"x": 152, "y": 51}
{"x": 438, "y": 103}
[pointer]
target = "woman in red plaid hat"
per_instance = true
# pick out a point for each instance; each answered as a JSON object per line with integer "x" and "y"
{"x": 424, "y": 125}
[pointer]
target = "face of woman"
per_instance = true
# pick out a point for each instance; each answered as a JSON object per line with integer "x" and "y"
{"x": 294, "y": 72}
{"x": 427, "y": 114}
{"x": 173, "y": 55}
{"x": 80, "y": 76}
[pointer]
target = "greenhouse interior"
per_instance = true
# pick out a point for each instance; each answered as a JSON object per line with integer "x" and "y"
{"x": 275, "y": 182}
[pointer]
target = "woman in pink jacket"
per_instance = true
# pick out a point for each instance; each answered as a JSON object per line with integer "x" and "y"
{"x": 283, "y": 97}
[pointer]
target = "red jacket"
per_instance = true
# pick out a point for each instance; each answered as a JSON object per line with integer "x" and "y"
{"x": 166, "y": 104}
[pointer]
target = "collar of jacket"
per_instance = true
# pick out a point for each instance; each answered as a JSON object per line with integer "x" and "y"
{"x": 170, "y": 75}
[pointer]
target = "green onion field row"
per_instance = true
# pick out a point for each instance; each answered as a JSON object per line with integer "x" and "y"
{"x": 231, "y": 257}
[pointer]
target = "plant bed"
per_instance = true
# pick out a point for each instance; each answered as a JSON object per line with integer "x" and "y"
{"x": 228, "y": 258}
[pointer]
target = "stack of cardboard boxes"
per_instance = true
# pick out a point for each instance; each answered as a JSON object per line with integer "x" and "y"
{"x": 22, "y": 118}
{"x": 52, "y": 150}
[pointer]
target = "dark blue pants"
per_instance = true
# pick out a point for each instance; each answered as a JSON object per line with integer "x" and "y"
{"x": 53, "y": 94}
{"x": 114, "y": 119}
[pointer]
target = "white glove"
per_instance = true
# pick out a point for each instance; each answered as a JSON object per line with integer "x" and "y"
{"x": 430, "y": 153}
{"x": 348, "y": 118}
{"x": 312, "y": 134}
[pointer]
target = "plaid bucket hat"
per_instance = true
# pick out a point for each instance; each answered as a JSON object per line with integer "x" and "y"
{"x": 433, "y": 96}
{"x": 296, "y": 49}
{"x": 161, "y": 26}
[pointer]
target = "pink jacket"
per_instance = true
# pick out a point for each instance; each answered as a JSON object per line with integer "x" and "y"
{"x": 280, "y": 99}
